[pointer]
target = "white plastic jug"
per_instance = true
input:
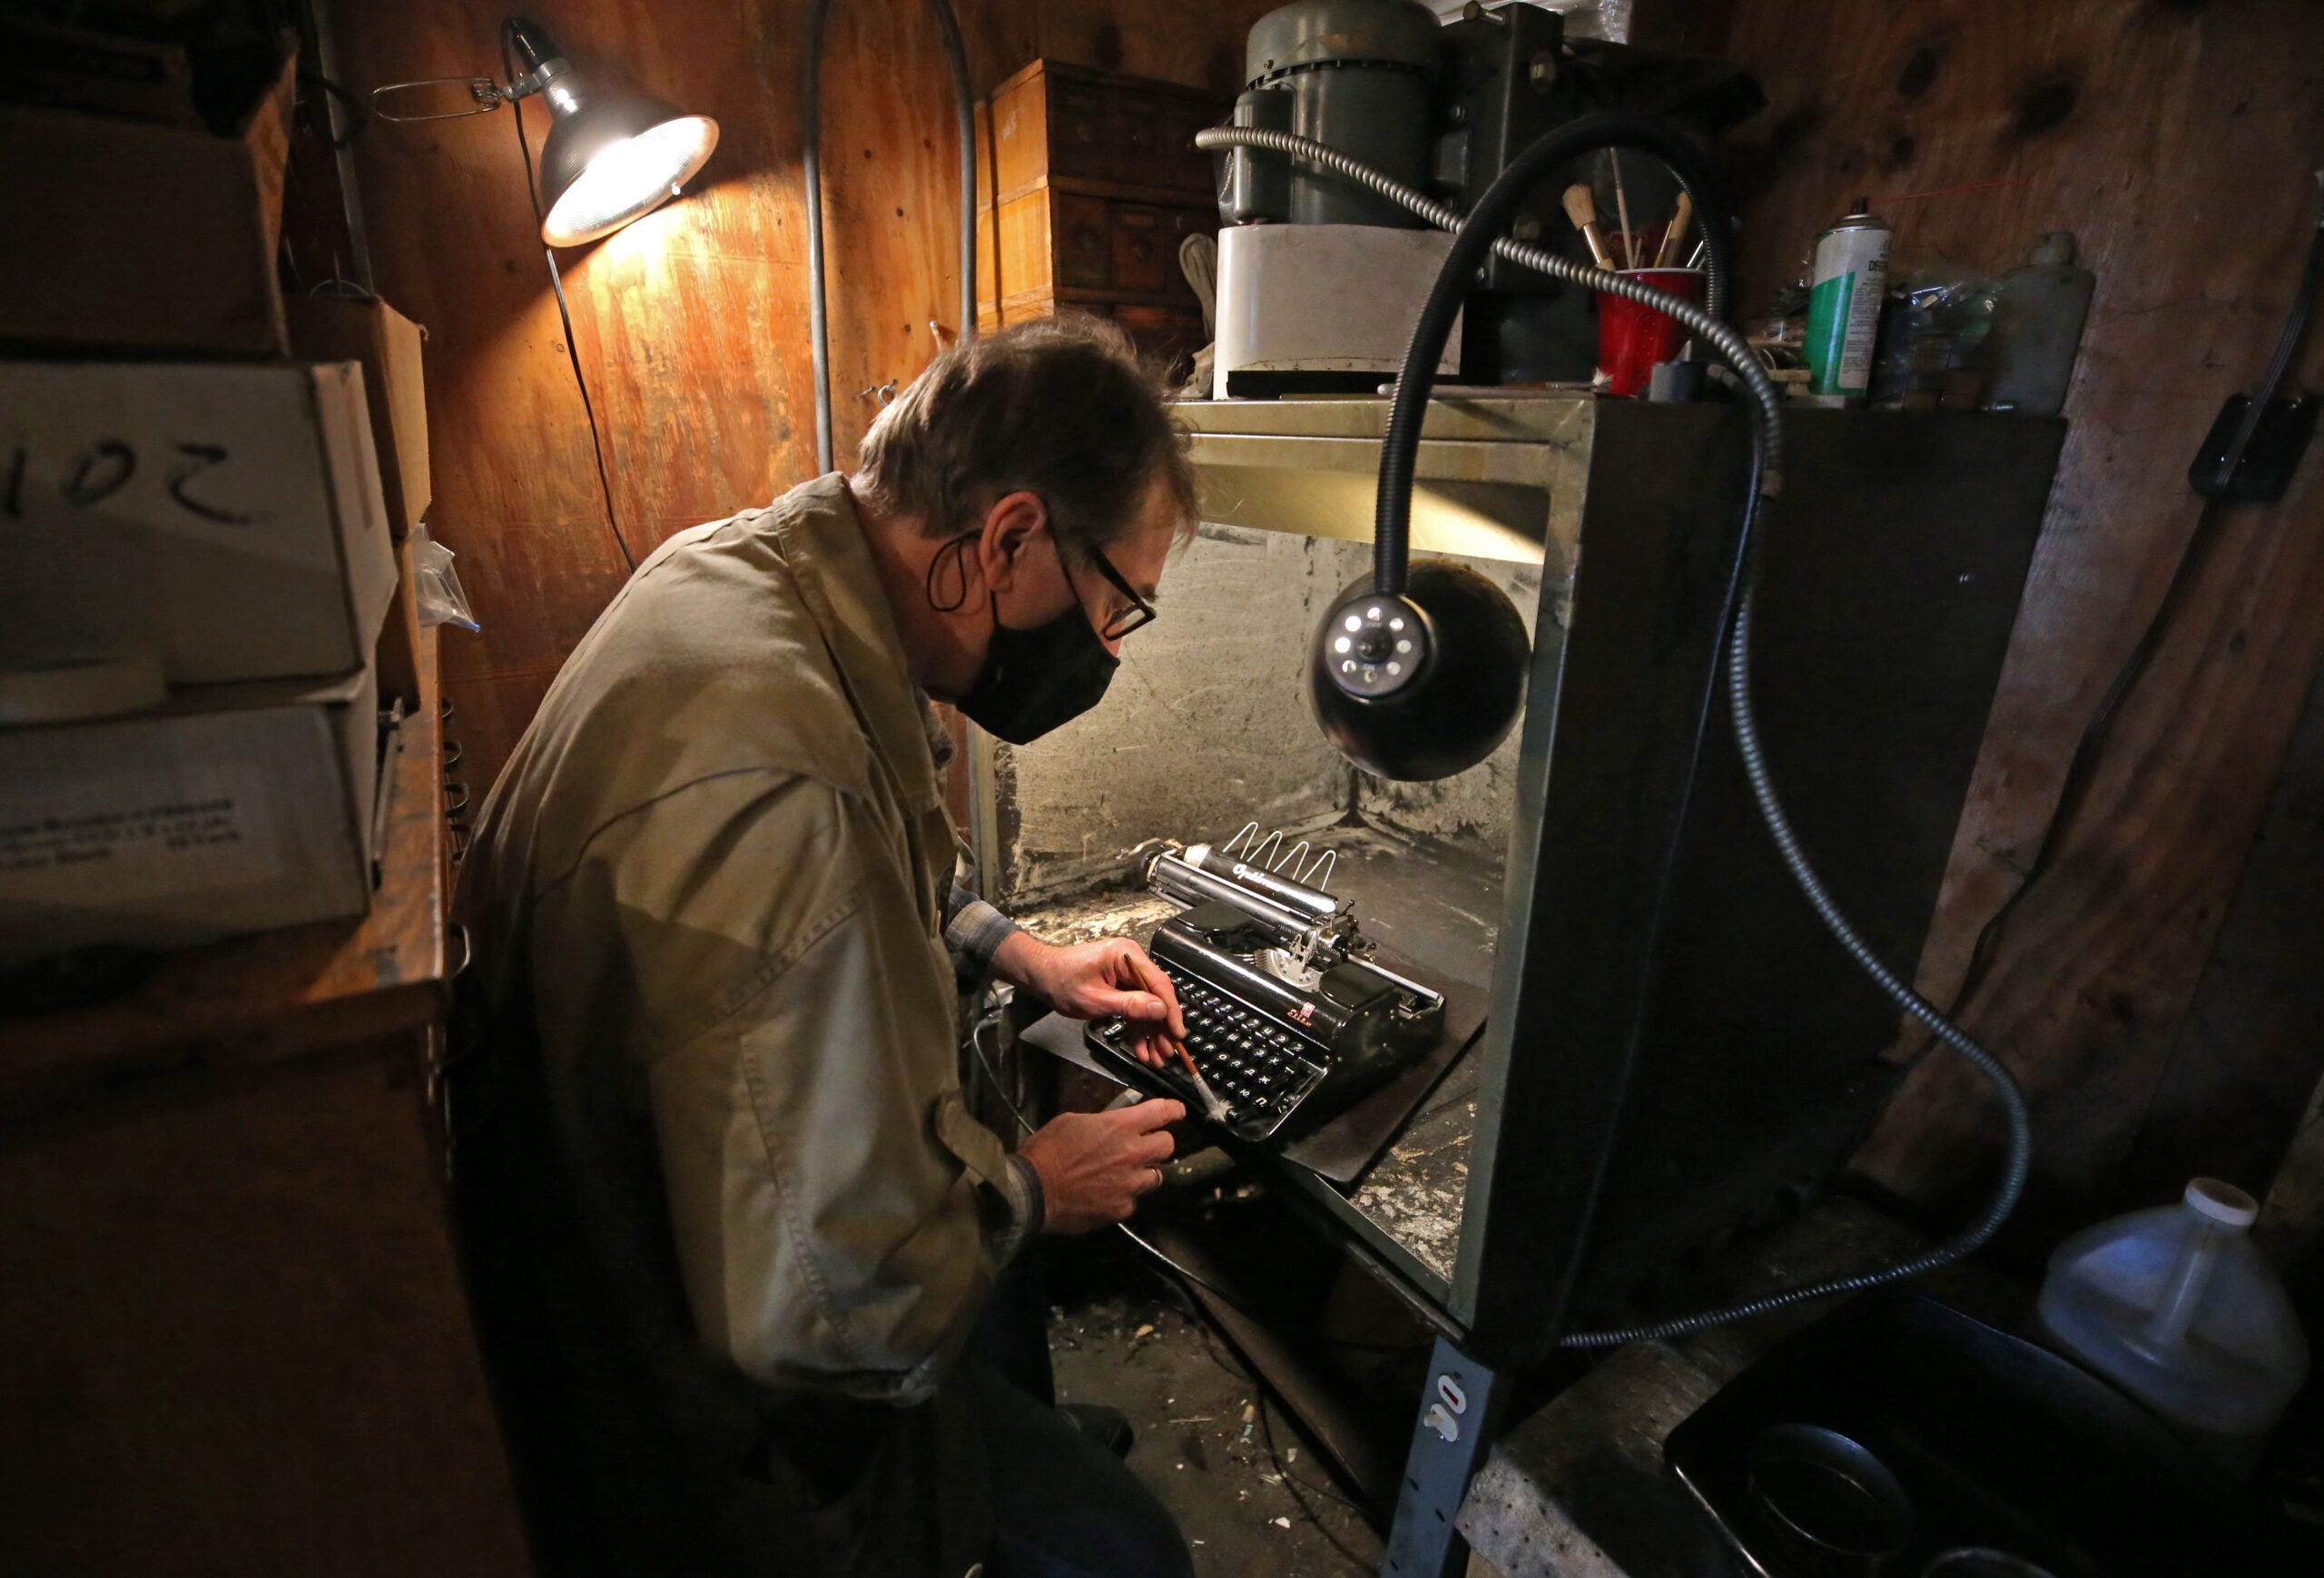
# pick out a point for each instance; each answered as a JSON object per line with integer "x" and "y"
{"x": 2175, "y": 1306}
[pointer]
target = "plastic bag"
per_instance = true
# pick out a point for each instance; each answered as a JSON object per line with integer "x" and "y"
{"x": 1929, "y": 341}
{"x": 436, "y": 585}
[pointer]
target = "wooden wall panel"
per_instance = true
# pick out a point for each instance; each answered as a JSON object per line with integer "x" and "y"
{"x": 2176, "y": 140}
{"x": 236, "y": 1334}
{"x": 692, "y": 324}
{"x": 2245, "y": 1061}
{"x": 683, "y": 323}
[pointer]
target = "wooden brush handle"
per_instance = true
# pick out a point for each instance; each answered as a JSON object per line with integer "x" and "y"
{"x": 1580, "y": 209}
{"x": 1666, "y": 255}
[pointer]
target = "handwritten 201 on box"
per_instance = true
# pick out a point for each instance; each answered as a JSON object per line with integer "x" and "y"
{"x": 226, "y": 519}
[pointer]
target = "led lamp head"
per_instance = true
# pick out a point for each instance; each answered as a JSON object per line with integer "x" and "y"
{"x": 1422, "y": 684}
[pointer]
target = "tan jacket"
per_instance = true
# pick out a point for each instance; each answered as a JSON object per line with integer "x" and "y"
{"x": 714, "y": 876}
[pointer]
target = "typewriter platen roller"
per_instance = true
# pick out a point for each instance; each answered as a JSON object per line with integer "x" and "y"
{"x": 1288, "y": 1016}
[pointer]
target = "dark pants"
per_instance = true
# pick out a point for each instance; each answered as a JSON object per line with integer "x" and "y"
{"x": 1064, "y": 1506}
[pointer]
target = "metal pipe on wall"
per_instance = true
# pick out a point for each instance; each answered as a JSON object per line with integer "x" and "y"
{"x": 810, "y": 171}
{"x": 811, "y": 136}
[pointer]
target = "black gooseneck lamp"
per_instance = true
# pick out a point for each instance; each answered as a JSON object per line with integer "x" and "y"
{"x": 1418, "y": 671}
{"x": 1419, "y": 721}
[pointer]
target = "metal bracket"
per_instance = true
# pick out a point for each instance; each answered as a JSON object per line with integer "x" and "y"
{"x": 2249, "y": 459}
{"x": 1460, "y": 1414}
{"x": 485, "y": 96}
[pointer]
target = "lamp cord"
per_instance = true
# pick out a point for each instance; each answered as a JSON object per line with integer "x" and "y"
{"x": 564, "y": 312}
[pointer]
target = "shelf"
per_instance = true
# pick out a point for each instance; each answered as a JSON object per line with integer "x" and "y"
{"x": 280, "y": 994}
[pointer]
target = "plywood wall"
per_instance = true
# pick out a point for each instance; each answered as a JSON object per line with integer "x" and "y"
{"x": 2176, "y": 138}
{"x": 691, "y": 325}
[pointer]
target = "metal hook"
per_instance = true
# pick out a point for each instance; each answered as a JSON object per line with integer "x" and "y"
{"x": 885, "y": 392}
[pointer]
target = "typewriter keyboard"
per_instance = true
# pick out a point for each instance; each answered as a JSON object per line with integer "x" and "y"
{"x": 1260, "y": 1069}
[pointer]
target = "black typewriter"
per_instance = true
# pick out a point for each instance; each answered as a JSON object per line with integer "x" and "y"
{"x": 1287, "y": 1018}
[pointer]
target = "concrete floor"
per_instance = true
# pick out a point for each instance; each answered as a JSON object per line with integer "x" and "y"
{"x": 1202, "y": 1440}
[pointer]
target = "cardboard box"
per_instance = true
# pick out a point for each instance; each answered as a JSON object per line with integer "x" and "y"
{"x": 104, "y": 73}
{"x": 388, "y": 345}
{"x": 233, "y": 808}
{"x": 225, "y": 517}
{"x": 146, "y": 238}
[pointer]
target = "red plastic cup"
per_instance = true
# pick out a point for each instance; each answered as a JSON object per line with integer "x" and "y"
{"x": 1631, "y": 339}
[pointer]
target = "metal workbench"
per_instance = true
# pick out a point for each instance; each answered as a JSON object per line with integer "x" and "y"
{"x": 1674, "y": 1049}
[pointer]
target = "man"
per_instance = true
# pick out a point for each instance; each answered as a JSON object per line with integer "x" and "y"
{"x": 713, "y": 888}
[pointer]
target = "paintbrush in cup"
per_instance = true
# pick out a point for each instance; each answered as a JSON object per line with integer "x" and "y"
{"x": 1584, "y": 211}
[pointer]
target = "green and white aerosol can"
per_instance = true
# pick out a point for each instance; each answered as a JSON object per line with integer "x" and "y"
{"x": 1851, "y": 275}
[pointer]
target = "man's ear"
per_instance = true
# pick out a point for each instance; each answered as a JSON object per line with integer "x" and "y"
{"x": 1011, "y": 526}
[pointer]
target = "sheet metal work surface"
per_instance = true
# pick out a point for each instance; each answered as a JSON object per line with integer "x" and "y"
{"x": 1346, "y": 1146}
{"x": 1436, "y": 905}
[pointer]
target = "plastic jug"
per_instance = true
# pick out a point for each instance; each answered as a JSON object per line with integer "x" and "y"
{"x": 2175, "y": 1306}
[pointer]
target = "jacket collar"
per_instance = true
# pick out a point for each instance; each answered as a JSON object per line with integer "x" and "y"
{"x": 822, "y": 541}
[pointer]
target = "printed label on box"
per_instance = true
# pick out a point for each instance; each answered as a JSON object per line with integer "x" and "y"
{"x": 130, "y": 837}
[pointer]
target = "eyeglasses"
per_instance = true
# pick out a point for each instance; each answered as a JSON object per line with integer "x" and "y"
{"x": 1140, "y": 613}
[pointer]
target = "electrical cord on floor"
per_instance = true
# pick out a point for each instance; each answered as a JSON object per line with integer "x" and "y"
{"x": 1291, "y": 1484}
{"x": 1478, "y": 234}
{"x": 564, "y": 312}
{"x": 1294, "y": 1486}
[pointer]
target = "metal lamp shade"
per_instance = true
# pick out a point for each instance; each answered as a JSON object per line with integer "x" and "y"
{"x": 615, "y": 157}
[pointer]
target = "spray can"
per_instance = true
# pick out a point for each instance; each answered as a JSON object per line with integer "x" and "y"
{"x": 1851, "y": 276}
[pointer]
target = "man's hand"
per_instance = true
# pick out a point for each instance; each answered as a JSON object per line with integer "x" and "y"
{"x": 1092, "y": 980}
{"x": 1095, "y": 1164}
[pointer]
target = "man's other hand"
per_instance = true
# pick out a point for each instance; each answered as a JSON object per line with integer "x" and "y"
{"x": 1093, "y": 980}
{"x": 1095, "y": 1164}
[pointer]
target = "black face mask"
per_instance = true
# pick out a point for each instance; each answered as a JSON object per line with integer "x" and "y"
{"x": 1034, "y": 680}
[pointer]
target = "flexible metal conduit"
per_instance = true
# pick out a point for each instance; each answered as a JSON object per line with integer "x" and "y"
{"x": 810, "y": 163}
{"x": 1390, "y": 553}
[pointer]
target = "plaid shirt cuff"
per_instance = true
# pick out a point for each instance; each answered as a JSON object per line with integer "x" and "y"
{"x": 974, "y": 931}
{"x": 1033, "y": 1210}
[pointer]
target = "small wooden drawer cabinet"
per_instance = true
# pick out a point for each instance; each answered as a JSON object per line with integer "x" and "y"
{"x": 1086, "y": 183}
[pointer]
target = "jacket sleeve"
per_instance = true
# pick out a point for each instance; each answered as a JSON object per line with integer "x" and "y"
{"x": 837, "y": 1214}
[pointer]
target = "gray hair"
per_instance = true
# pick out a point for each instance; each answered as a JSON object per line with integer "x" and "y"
{"x": 1062, "y": 407}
